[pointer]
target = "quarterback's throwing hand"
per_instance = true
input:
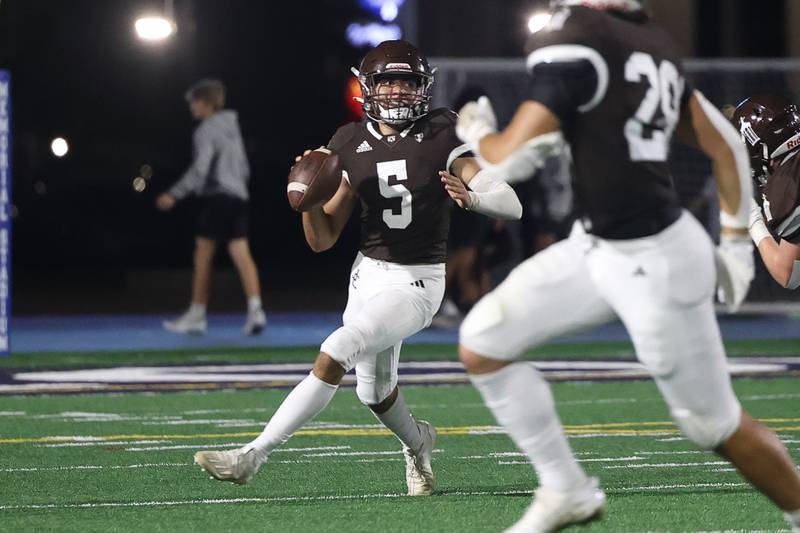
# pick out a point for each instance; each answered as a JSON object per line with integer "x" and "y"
{"x": 476, "y": 120}
{"x": 456, "y": 189}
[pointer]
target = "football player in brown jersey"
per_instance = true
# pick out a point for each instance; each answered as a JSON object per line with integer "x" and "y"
{"x": 403, "y": 164}
{"x": 609, "y": 79}
{"x": 770, "y": 127}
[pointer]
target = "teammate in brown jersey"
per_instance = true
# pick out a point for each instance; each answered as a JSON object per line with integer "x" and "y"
{"x": 770, "y": 127}
{"x": 403, "y": 164}
{"x": 608, "y": 78}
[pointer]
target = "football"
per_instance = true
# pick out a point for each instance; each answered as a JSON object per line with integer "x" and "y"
{"x": 314, "y": 179}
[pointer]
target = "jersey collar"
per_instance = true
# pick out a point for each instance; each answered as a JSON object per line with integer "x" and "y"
{"x": 375, "y": 132}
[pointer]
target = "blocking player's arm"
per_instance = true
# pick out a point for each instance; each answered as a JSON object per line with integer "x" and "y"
{"x": 563, "y": 81}
{"x": 489, "y": 195}
{"x": 323, "y": 225}
{"x": 782, "y": 259}
{"x": 706, "y": 128}
{"x": 531, "y": 120}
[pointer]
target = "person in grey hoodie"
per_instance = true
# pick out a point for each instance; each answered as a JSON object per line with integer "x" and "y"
{"x": 218, "y": 175}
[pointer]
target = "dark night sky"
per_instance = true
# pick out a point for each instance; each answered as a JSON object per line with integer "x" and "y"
{"x": 79, "y": 71}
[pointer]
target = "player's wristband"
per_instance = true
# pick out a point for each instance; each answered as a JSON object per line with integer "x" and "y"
{"x": 739, "y": 221}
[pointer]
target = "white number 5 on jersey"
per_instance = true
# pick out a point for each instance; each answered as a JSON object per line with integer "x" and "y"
{"x": 663, "y": 94}
{"x": 397, "y": 169}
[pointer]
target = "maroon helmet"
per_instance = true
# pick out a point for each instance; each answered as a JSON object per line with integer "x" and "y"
{"x": 395, "y": 59}
{"x": 770, "y": 127}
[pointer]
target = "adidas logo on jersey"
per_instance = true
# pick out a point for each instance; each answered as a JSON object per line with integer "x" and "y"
{"x": 363, "y": 147}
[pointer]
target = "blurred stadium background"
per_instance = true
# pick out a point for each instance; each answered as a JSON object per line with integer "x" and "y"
{"x": 86, "y": 237}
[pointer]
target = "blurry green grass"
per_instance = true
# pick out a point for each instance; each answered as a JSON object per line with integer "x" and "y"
{"x": 464, "y": 501}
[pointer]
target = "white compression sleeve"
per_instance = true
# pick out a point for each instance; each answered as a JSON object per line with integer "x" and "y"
{"x": 493, "y": 197}
{"x": 734, "y": 141}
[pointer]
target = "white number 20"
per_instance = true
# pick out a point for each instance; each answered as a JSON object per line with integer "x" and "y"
{"x": 397, "y": 169}
{"x": 664, "y": 94}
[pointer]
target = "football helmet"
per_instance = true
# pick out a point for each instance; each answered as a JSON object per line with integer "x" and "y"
{"x": 770, "y": 127}
{"x": 619, "y": 5}
{"x": 392, "y": 60}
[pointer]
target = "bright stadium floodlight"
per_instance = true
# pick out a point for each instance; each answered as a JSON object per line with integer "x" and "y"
{"x": 153, "y": 28}
{"x": 538, "y": 21}
{"x": 59, "y": 147}
{"x": 156, "y": 28}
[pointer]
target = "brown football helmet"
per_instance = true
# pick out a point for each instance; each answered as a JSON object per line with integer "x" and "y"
{"x": 395, "y": 59}
{"x": 770, "y": 127}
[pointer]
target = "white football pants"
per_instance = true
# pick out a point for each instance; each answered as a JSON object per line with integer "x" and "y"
{"x": 660, "y": 286}
{"x": 386, "y": 303}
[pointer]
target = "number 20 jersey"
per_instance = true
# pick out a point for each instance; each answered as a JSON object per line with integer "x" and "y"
{"x": 405, "y": 211}
{"x": 616, "y": 83}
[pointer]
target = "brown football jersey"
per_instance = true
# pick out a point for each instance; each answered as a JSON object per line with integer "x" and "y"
{"x": 405, "y": 211}
{"x": 616, "y": 83}
{"x": 780, "y": 200}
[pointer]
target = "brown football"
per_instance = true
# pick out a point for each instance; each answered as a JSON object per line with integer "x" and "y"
{"x": 314, "y": 179}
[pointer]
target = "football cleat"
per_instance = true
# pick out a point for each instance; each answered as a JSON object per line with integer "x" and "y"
{"x": 419, "y": 474}
{"x": 256, "y": 322}
{"x": 552, "y": 509}
{"x": 187, "y": 323}
{"x": 236, "y": 466}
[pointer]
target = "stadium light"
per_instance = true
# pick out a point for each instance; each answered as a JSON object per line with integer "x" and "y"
{"x": 153, "y": 28}
{"x": 538, "y": 21}
{"x": 389, "y": 11}
{"x": 156, "y": 28}
{"x": 372, "y": 34}
{"x": 59, "y": 147}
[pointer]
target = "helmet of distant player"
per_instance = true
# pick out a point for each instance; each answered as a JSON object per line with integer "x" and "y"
{"x": 617, "y": 5}
{"x": 393, "y": 60}
{"x": 770, "y": 127}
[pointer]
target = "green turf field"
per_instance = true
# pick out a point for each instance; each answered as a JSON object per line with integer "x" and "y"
{"x": 123, "y": 463}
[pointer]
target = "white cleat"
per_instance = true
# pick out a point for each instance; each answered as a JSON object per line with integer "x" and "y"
{"x": 419, "y": 474}
{"x": 236, "y": 466}
{"x": 187, "y": 323}
{"x": 552, "y": 510}
{"x": 256, "y": 322}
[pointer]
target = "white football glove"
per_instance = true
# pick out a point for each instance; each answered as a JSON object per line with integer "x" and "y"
{"x": 476, "y": 120}
{"x": 735, "y": 269}
{"x": 756, "y": 227}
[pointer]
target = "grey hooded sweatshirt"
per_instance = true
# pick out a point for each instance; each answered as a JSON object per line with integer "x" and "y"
{"x": 220, "y": 163}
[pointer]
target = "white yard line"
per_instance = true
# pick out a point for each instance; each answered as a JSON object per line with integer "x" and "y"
{"x": 227, "y": 445}
{"x": 668, "y": 465}
{"x": 92, "y": 467}
{"x": 100, "y": 443}
{"x": 226, "y": 501}
{"x": 357, "y": 454}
